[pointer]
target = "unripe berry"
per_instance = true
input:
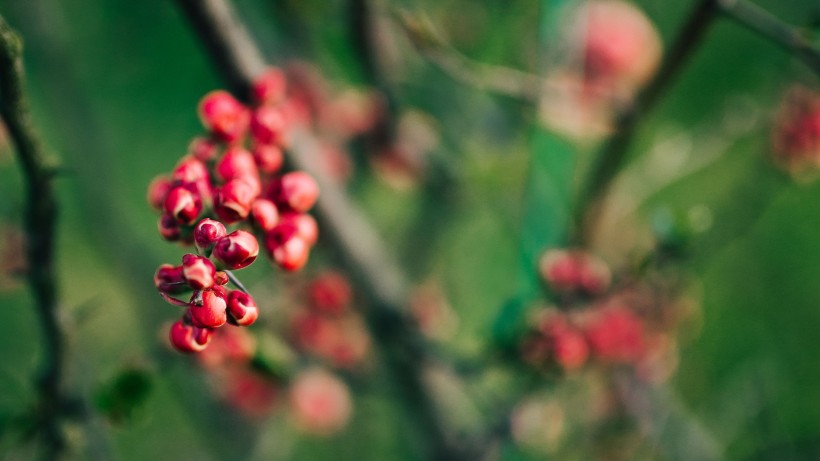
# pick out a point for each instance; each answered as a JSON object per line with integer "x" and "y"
{"x": 330, "y": 292}
{"x": 206, "y": 233}
{"x": 268, "y": 125}
{"x": 242, "y": 308}
{"x": 320, "y": 402}
{"x": 264, "y": 213}
{"x": 223, "y": 115}
{"x": 268, "y": 157}
{"x": 236, "y": 250}
{"x": 189, "y": 338}
{"x": 306, "y": 227}
{"x": 213, "y": 311}
{"x": 295, "y": 191}
{"x": 199, "y": 271}
{"x": 157, "y": 191}
{"x": 233, "y": 201}
{"x": 170, "y": 279}
{"x": 183, "y": 205}
{"x": 234, "y": 163}
{"x": 286, "y": 247}
{"x": 203, "y": 149}
{"x": 269, "y": 88}
{"x": 169, "y": 228}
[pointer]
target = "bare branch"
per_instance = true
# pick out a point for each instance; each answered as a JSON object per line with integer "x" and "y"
{"x": 40, "y": 225}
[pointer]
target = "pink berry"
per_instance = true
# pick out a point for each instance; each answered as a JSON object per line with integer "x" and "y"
{"x": 206, "y": 233}
{"x": 286, "y": 247}
{"x": 268, "y": 158}
{"x": 183, "y": 204}
{"x": 170, "y": 279}
{"x": 234, "y": 163}
{"x": 264, "y": 213}
{"x": 213, "y": 311}
{"x": 236, "y": 250}
{"x": 199, "y": 271}
{"x": 295, "y": 191}
{"x": 320, "y": 402}
{"x": 242, "y": 308}
{"x": 268, "y": 125}
{"x": 157, "y": 191}
{"x": 269, "y": 88}
{"x": 233, "y": 201}
{"x": 223, "y": 115}
{"x": 188, "y": 338}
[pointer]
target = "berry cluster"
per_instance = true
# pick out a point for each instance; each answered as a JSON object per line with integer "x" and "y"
{"x": 796, "y": 137}
{"x": 232, "y": 177}
{"x": 327, "y": 328}
{"x": 594, "y": 320}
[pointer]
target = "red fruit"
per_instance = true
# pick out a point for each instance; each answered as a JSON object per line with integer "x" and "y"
{"x": 236, "y": 250}
{"x": 157, "y": 191}
{"x": 330, "y": 292}
{"x": 286, "y": 247}
{"x": 203, "y": 149}
{"x": 199, "y": 271}
{"x": 242, "y": 308}
{"x": 305, "y": 225}
{"x": 320, "y": 402}
{"x": 296, "y": 191}
{"x": 169, "y": 228}
{"x": 190, "y": 170}
{"x": 189, "y": 338}
{"x": 213, "y": 311}
{"x": 183, "y": 204}
{"x": 264, "y": 214}
{"x": 269, "y": 88}
{"x": 268, "y": 125}
{"x": 233, "y": 200}
{"x": 616, "y": 335}
{"x": 206, "y": 233}
{"x": 236, "y": 162}
{"x": 268, "y": 157}
{"x": 224, "y": 116}
{"x": 170, "y": 279}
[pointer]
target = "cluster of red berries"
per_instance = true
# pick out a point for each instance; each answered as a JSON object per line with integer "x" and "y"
{"x": 326, "y": 327}
{"x": 796, "y": 137}
{"x": 605, "y": 329}
{"x": 231, "y": 177}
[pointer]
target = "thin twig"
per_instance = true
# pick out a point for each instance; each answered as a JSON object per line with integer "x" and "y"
{"x": 764, "y": 23}
{"x": 346, "y": 226}
{"x": 588, "y": 207}
{"x": 40, "y": 225}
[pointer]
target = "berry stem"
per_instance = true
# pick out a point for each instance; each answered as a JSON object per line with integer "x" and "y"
{"x": 608, "y": 163}
{"x": 764, "y": 23}
{"x": 233, "y": 278}
{"x": 40, "y": 226}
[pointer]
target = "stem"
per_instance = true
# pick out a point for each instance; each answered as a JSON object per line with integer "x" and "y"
{"x": 236, "y": 57}
{"x": 40, "y": 226}
{"x": 236, "y": 282}
{"x": 611, "y": 158}
{"x": 764, "y": 23}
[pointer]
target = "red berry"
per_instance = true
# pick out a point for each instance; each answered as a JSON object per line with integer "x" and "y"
{"x": 199, "y": 271}
{"x": 183, "y": 204}
{"x": 213, "y": 311}
{"x": 269, "y": 88}
{"x": 268, "y": 125}
{"x": 233, "y": 200}
{"x": 170, "y": 279}
{"x": 236, "y": 162}
{"x": 188, "y": 338}
{"x": 207, "y": 232}
{"x": 268, "y": 157}
{"x": 236, "y": 250}
{"x": 223, "y": 115}
{"x": 242, "y": 308}
{"x": 157, "y": 191}
{"x": 295, "y": 191}
{"x": 265, "y": 214}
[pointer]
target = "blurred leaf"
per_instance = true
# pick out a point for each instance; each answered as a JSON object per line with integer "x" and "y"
{"x": 122, "y": 398}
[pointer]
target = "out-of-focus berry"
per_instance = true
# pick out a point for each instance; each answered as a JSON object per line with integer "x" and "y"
{"x": 320, "y": 402}
{"x": 330, "y": 292}
{"x": 189, "y": 338}
{"x": 295, "y": 191}
{"x": 242, "y": 308}
{"x": 224, "y": 116}
{"x": 269, "y": 88}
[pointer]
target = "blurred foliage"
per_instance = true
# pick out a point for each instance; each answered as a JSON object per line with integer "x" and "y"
{"x": 115, "y": 85}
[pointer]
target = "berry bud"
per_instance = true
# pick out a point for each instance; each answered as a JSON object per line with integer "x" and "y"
{"x": 233, "y": 201}
{"x": 242, "y": 308}
{"x": 207, "y": 233}
{"x": 236, "y": 250}
{"x": 268, "y": 157}
{"x": 188, "y": 338}
{"x": 295, "y": 191}
{"x": 170, "y": 279}
{"x": 199, "y": 271}
{"x": 169, "y": 228}
{"x": 213, "y": 311}
{"x": 305, "y": 224}
{"x": 616, "y": 335}
{"x": 157, "y": 191}
{"x": 269, "y": 88}
{"x": 330, "y": 292}
{"x": 236, "y": 162}
{"x": 183, "y": 205}
{"x": 265, "y": 214}
{"x": 320, "y": 402}
{"x": 268, "y": 125}
{"x": 190, "y": 170}
{"x": 286, "y": 247}
{"x": 203, "y": 149}
{"x": 223, "y": 115}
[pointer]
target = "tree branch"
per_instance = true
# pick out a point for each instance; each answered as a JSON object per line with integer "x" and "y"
{"x": 609, "y": 161}
{"x": 237, "y": 58}
{"x": 764, "y": 23}
{"x": 40, "y": 225}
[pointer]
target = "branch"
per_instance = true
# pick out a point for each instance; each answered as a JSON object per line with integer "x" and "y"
{"x": 764, "y": 23}
{"x": 237, "y": 58}
{"x": 609, "y": 161}
{"x": 40, "y": 225}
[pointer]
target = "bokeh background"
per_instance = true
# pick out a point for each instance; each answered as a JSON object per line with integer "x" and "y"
{"x": 114, "y": 86}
